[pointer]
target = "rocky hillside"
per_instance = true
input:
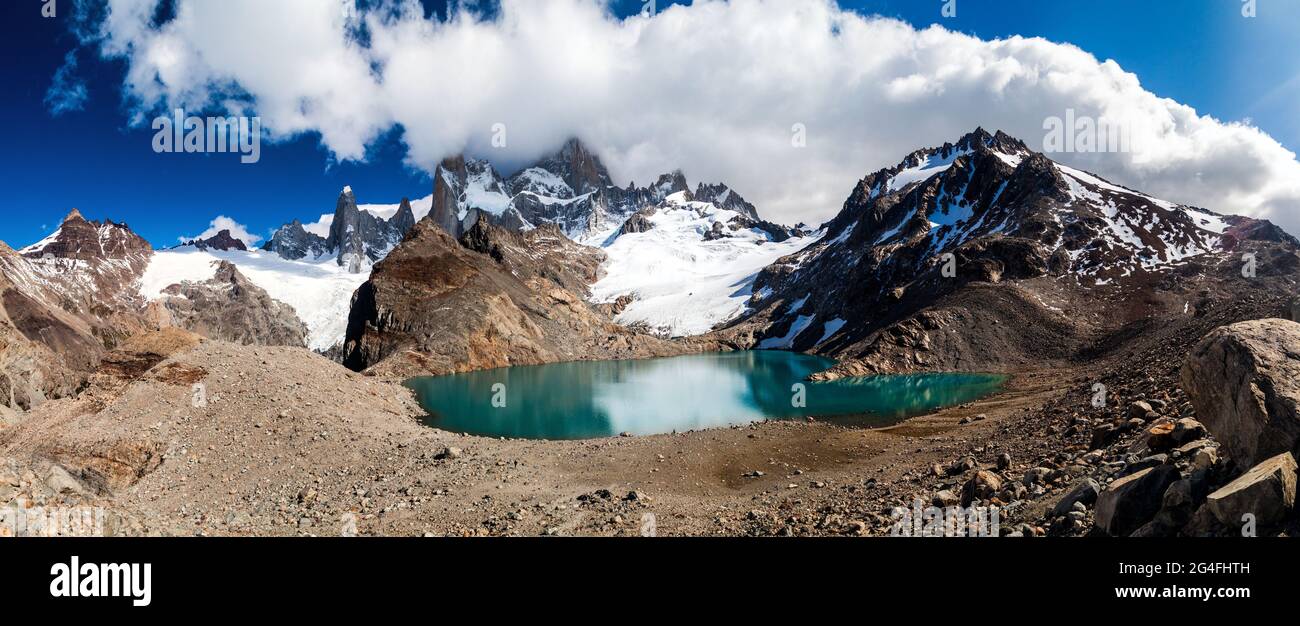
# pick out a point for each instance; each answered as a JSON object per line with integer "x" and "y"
{"x": 231, "y": 308}
{"x": 492, "y": 298}
{"x": 982, "y": 254}
{"x": 63, "y": 302}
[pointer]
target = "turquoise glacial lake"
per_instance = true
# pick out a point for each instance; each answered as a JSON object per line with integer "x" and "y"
{"x": 593, "y": 399}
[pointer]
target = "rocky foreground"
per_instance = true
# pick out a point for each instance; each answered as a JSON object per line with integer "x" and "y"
{"x": 278, "y": 441}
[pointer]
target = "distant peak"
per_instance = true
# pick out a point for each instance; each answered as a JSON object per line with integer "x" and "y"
{"x": 74, "y": 215}
{"x": 347, "y": 191}
{"x": 998, "y": 141}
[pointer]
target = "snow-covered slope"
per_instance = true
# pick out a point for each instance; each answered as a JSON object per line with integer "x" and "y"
{"x": 684, "y": 280}
{"x": 319, "y": 291}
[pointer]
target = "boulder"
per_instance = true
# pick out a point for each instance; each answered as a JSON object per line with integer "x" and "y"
{"x": 1166, "y": 434}
{"x": 1140, "y": 409}
{"x": 1244, "y": 382}
{"x": 1129, "y": 502}
{"x": 1267, "y": 491}
{"x": 62, "y": 483}
{"x": 1084, "y": 492}
{"x": 982, "y": 486}
{"x": 1294, "y": 309}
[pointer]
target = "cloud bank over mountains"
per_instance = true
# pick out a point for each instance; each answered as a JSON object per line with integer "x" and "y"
{"x": 715, "y": 89}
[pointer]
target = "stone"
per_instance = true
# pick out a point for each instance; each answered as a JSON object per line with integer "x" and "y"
{"x": 1243, "y": 381}
{"x": 1266, "y": 490}
{"x": 449, "y": 453}
{"x": 983, "y": 485}
{"x": 1132, "y": 501}
{"x": 945, "y": 498}
{"x": 1036, "y": 475}
{"x": 962, "y": 466}
{"x": 1167, "y": 434}
{"x": 1004, "y": 462}
{"x": 1205, "y": 458}
{"x": 1083, "y": 493}
{"x": 1102, "y": 435}
{"x": 62, "y": 483}
{"x": 1149, "y": 462}
{"x": 1140, "y": 410}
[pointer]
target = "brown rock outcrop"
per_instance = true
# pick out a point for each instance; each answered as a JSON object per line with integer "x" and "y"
{"x": 231, "y": 308}
{"x": 493, "y": 299}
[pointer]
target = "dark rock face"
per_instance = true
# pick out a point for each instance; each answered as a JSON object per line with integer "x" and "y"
{"x": 466, "y": 191}
{"x": 293, "y": 242}
{"x": 494, "y": 298}
{"x": 723, "y": 197}
{"x": 579, "y": 168}
{"x": 356, "y": 239}
{"x": 404, "y": 220}
{"x": 638, "y": 223}
{"x": 571, "y": 189}
{"x": 1132, "y": 501}
{"x": 228, "y": 307}
{"x": 942, "y": 262}
{"x": 220, "y": 241}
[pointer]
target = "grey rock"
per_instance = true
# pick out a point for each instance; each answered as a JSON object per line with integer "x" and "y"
{"x": 1129, "y": 502}
{"x": 1266, "y": 491}
{"x": 1083, "y": 493}
{"x": 229, "y": 307}
{"x": 983, "y": 485}
{"x": 1244, "y": 382}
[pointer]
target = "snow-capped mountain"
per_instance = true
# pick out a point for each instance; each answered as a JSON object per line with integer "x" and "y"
{"x": 1003, "y": 212}
{"x": 684, "y": 266}
{"x": 90, "y": 264}
{"x": 569, "y": 188}
{"x": 63, "y": 301}
{"x": 356, "y": 238}
{"x": 679, "y": 261}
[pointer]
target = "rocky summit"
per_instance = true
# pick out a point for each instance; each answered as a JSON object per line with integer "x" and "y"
{"x": 222, "y": 241}
{"x": 979, "y": 254}
{"x": 356, "y": 240}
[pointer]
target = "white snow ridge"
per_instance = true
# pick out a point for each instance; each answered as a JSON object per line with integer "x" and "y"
{"x": 682, "y": 283}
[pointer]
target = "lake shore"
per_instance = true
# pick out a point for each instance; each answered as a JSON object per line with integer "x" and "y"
{"x": 292, "y": 444}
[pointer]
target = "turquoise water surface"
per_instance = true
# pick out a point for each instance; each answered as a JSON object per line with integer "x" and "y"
{"x": 591, "y": 399}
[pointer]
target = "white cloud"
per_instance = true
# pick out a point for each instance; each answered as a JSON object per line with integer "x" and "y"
{"x": 67, "y": 92}
{"x": 712, "y": 88}
{"x": 220, "y": 223}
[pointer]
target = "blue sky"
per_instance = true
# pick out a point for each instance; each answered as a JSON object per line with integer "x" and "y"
{"x": 1202, "y": 53}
